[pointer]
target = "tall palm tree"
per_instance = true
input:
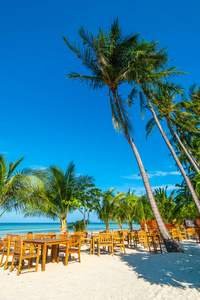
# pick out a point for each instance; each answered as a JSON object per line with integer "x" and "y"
{"x": 13, "y": 186}
{"x": 106, "y": 210}
{"x": 186, "y": 178}
{"x": 113, "y": 59}
{"x": 52, "y": 193}
{"x": 164, "y": 99}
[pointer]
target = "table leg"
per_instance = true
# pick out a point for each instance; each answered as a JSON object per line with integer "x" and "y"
{"x": 44, "y": 252}
{"x": 53, "y": 253}
{"x": 66, "y": 255}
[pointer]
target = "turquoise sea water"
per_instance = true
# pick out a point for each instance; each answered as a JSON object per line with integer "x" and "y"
{"x": 24, "y": 228}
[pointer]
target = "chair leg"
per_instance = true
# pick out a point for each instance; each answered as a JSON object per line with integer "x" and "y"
{"x": 2, "y": 259}
{"x": 124, "y": 249}
{"x": 13, "y": 260}
{"x": 79, "y": 257}
{"x": 6, "y": 263}
{"x": 37, "y": 261}
{"x": 19, "y": 267}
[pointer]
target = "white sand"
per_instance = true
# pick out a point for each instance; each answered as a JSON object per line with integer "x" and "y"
{"x": 134, "y": 275}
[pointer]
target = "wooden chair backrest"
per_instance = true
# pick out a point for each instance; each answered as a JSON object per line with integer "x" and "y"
{"x": 82, "y": 234}
{"x": 85, "y": 233}
{"x": 176, "y": 232}
{"x": 26, "y": 237}
{"x": 190, "y": 230}
{"x": 51, "y": 232}
{"x": 18, "y": 247}
{"x": 39, "y": 236}
{"x": 63, "y": 236}
{"x": 13, "y": 238}
{"x": 105, "y": 237}
{"x": 75, "y": 241}
{"x": 126, "y": 231}
{"x": 6, "y": 244}
{"x": 118, "y": 234}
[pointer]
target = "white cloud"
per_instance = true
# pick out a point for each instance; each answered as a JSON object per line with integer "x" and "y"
{"x": 152, "y": 174}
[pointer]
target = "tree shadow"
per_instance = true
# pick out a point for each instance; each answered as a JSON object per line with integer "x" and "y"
{"x": 174, "y": 269}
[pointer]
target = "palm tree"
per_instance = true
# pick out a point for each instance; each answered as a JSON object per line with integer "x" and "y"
{"x": 143, "y": 211}
{"x": 13, "y": 187}
{"x": 130, "y": 200}
{"x": 186, "y": 178}
{"x": 113, "y": 59}
{"x": 166, "y": 204}
{"x": 52, "y": 193}
{"x": 164, "y": 99}
{"x": 107, "y": 208}
{"x": 120, "y": 212}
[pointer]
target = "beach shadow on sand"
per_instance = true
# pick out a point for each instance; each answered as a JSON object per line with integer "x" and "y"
{"x": 173, "y": 269}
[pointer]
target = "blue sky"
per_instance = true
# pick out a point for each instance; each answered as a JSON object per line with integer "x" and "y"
{"x": 51, "y": 120}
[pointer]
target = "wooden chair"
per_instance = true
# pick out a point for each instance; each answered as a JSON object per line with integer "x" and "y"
{"x": 20, "y": 254}
{"x": 8, "y": 247}
{"x": 6, "y": 252}
{"x": 142, "y": 238}
{"x": 118, "y": 240}
{"x": 105, "y": 240}
{"x": 126, "y": 237}
{"x": 176, "y": 235}
{"x": 184, "y": 234}
{"x": 154, "y": 243}
{"x": 191, "y": 233}
{"x": 74, "y": 247}
{"x": 85, "y": 241}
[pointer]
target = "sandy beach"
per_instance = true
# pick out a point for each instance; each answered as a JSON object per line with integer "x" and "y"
{"x": 134, "y": 275}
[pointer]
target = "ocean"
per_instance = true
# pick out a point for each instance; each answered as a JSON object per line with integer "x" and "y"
{"x": 24, "y": 228}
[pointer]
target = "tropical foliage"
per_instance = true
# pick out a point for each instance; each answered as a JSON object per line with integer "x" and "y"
{"x": 112, "y": 59}
{"x": 52, "y": 193}
{"x": 13, "y": 186}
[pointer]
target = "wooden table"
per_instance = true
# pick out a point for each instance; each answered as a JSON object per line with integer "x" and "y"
{"x": 49, "y": 242}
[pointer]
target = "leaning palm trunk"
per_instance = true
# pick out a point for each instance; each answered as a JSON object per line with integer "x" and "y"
{"x": 170, "y": 245}
{"x": 188, "y": 182}
{"x": 182, "y": 146}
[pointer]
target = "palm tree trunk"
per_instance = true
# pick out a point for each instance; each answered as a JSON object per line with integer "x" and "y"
{"x": 107, "y": 225}
{"x": 63, "y": 225}
{"x": 189, "y": 184}
{"x": 182, "y": 145}
{"x": 170, "y": 244}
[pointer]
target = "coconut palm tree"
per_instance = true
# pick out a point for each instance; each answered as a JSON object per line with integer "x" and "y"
{"x": 120, "y": 212}
{"x": 148, "y": 94}
{"x": 143, "y": 211}
{"x": 164, "y": 99}
{"x": 52, "y": 193}
{"x": 13, "y": 186}
{"x": 130, "y": 207}
{"x": 106, "y": 210}
{"x": 113, "y": 59}
{"x": 166, "y": 204}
